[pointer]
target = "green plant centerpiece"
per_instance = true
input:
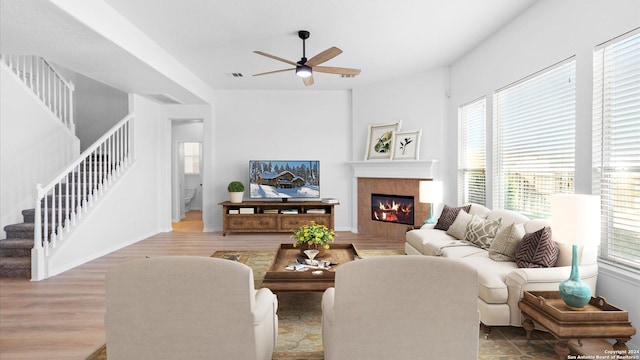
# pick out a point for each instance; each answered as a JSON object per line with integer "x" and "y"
{"x": 236, "y": 191}
{"x": 313, "y": 236}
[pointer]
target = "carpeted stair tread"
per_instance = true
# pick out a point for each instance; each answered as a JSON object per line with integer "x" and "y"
{"x": 15, "y": 267}
{"x": 16, "y": 247}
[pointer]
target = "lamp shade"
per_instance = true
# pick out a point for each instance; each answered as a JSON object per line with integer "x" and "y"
{"x": 575, "y": 218}
{"x": 430, "y": 192}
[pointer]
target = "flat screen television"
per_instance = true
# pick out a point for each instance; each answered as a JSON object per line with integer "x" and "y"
{"x": 284, "y": 179}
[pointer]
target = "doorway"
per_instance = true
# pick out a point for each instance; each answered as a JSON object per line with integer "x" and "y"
{"x": 187, "y": 170}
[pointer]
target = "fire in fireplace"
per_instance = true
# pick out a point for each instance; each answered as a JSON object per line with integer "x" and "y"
{"x": 392, "y": 208}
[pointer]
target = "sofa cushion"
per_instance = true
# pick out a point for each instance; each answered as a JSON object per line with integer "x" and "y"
{"x": 430, "y": 241}
{"x": 480, "y": 232}
{"x": 505, "y": 244}
{"x": 459, "y": 226}
{"x": 448, "y": 216}
{"x": 537, "y": 250}
{"x": 492, "y": 276}
{"x": 460, "y": 250}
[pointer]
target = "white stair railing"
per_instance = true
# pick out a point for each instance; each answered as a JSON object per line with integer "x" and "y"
{"x": 46, "y": 83}
{"x": 62, "y": 203}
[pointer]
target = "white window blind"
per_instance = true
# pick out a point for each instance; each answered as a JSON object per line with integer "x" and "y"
{"x": 534, "y": 140}
{"x": 471, "y": 153}
{"x": 616, "y": 145}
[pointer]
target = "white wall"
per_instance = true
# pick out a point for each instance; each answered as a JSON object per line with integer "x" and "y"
{"x": 109, "y": 225}
{"x": 34, "y": 147}
{"x": 419, "y": 101}
{"x": 282, "y": 125}
{"x": 96, "y": 106}
{"x": 550, "y": 31}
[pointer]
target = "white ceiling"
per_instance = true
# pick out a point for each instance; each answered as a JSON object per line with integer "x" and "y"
{"x": 213, "y": 38}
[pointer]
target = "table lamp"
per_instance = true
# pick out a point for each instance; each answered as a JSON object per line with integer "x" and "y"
{"x": 575, "y": 220}
{"x": 430, "y": 193}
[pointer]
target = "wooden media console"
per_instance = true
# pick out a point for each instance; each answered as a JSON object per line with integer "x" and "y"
{"x": 274, "y": 216}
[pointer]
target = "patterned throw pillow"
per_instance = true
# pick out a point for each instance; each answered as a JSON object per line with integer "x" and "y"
{"x": 537, "y": 250}
{"x": 505, "y": 245}
{"x": 449, "y": 215}
{"x": 459, "y": 226}
{"x": 480, "y": 232}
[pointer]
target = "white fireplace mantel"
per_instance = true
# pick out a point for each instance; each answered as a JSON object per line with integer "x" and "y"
{"x": 397, "y": 169}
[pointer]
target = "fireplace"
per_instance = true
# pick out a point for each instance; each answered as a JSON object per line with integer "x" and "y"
{"x": 392, "y": 208}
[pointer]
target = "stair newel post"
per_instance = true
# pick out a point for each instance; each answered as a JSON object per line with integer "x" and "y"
{"x": 45, "y": 226}
{"x": 38, "y": 269}
{"x": 37, "y": 230}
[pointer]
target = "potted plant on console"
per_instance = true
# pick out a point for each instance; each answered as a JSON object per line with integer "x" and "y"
{"x": 313, "y": 236}
{"x": 236, "y": 191}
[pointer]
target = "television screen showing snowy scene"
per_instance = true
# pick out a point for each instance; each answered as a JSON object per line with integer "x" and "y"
{"x": 284, "y": 179}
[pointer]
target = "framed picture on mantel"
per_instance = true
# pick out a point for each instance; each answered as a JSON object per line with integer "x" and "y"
{"x": 380, "y": 141}
{"x": 406, "y": 145}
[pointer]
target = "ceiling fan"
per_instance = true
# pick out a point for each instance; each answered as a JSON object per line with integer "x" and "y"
{"x": 305, "y": 68}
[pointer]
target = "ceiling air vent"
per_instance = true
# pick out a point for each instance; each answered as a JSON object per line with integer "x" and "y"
{"x": 347, "y": 76}
{"x": 163, "y": 98}
{"x": 236, "y": 75}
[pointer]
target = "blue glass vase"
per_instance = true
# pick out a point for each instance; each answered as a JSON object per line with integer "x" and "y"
{"x": 573, "y": 291}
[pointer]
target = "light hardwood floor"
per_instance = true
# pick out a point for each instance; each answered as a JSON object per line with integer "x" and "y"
{"x": 63, "y": 317}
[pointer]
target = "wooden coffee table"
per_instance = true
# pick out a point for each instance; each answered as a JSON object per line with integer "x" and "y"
{"x": 278, "y": 278}
{"x": 598, "y": 320}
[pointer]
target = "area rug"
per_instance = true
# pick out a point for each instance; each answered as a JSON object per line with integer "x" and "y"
{"x": 300, "y": 316}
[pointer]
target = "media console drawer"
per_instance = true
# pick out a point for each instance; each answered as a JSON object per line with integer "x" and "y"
{"x": 252, "y": 222}
{"x": 274, "y": 216}
{"x": 292, "y": 222}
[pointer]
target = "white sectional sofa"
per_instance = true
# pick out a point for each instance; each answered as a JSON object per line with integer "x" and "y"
{"x": 501, "y": 283}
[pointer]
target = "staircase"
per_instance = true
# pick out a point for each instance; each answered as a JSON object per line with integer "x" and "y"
{"x": 59, "y": 205}
{"x": 15, "y": 250}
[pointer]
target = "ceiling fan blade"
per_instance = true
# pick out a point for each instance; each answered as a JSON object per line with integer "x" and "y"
{"x": 326, "y": 55}
{"x": 275, "y": 58}
{"x": 308, "y": 81}
{"x": 336, "y": 70}
{"x": 273, "y": 72}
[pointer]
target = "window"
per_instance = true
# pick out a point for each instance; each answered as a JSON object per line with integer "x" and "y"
{"x": 471, "y": 153}
{"x": 191, "y": 158}
{"x": 534, "y": 140}
{"x": 616, "y": 146}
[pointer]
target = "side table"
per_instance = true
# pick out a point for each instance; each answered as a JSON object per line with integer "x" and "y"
{"x": 598, "y": 320}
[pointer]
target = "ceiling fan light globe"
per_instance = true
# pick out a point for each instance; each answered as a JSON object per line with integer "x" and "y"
{"x": 303, "y": 71}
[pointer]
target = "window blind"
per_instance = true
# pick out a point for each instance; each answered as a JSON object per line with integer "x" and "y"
{"x": 471, "y": 153}
{"x": 534, "y": 140}
{"x": 616, "y": 145}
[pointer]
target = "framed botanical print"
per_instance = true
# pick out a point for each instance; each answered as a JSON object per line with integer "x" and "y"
{"x": 380, "y": 142}
{"x": 406, "y": 145}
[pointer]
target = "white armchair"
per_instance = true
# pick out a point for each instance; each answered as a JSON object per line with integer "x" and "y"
{"x": 187, "y": 307}
{"x": 401, "y": 307}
